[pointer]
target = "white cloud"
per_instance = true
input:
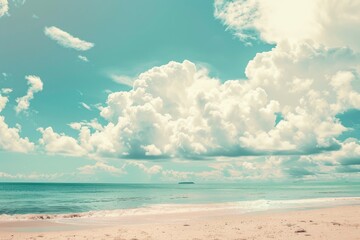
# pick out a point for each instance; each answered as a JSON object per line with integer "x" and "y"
{"x": 83, "y": 58}
{"x": 254, "y": 168}
{"x": 4, "y": 7}
{"x": 6, "y": 90}
{"x": 155, "y": 169}
{"x": 328, "y": 22}
{"x": 93, "y": 124}
{"x": 3, "y": 102}
{"x": 348, "y": 155}
{"x": 67, "y": 40}
{"x": 10, "y": 139}
{"x": 35, "y": 85}
{"x": 151, "y": 150}
{"x": 121, "y": 79}
{"x": 100, "y": 166}
{"x": 309, "y": 113}
{"x": 59, "y": 143}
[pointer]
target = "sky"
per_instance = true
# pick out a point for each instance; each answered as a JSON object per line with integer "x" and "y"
{"x": 167, "y": 90}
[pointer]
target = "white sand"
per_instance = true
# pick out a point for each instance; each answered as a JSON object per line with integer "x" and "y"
{"x": 341, "y": 223}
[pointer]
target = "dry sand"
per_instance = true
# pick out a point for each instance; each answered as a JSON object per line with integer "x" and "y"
{"x": 342, "y": 223}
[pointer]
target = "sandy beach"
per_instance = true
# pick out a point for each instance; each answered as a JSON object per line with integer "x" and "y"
{"x": 341, "y": 222}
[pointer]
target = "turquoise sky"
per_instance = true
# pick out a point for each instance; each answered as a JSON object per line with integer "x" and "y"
{"x": 131, "y": 37}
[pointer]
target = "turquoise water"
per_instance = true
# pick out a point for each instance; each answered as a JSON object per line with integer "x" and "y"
{"x": 54, "y": 198}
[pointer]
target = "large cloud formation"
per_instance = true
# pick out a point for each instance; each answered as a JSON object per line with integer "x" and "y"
{"x": 287, "y": 105}
{"x": 177, "y": 110}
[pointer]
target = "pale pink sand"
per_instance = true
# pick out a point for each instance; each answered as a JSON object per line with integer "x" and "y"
{"x": 341, "y": 223}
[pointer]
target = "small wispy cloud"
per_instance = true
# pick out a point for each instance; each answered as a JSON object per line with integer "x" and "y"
{"x": 31, "y": 176}
{"x": 122, "y": 79}
{"x": 83, "y": 58}
{"x": 4, "y": 99}
{"x": 35, "y": 85}
{"x": 6, "y": 90}
{"x": 85, "y": 106}
{"x": 3, "y": 102}
{"x": 18, "y": 3}
{"x": 93, "y": 124}
{"x": 67, "y": 40}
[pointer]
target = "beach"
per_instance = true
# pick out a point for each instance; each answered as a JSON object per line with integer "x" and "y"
{"x": 172, "y": 211}
{"x": 341, "y": 222}
{"x": 180, "y": 120}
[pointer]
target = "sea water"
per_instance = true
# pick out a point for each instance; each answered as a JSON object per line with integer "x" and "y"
{"x": 65, "y": 198}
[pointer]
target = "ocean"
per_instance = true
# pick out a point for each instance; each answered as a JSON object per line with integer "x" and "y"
{"x": 65, "y": 198}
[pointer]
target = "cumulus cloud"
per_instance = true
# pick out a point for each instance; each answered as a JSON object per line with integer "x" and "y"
{"x": 325, "y": 165}
{"x": 67, "y": 40}
{"x": 10, "y": 139}
{"x": 329, "y": 72}
{"x": 59, "y": 143}
{"x": 177, "y": 110}
{"x": 35, "y": 85}
{"x": 348, "y": 157}
{"x": 4, "y": 7}
{"x": 328, "y": 22}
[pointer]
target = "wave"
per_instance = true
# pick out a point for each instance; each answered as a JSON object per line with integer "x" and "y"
{"x": 156, "y": 209}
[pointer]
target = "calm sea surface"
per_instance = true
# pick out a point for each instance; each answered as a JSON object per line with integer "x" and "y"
{"x": 48, "y": 198}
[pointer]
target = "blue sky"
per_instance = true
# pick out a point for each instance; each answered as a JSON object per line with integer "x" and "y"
{"x": 161, "y": 91}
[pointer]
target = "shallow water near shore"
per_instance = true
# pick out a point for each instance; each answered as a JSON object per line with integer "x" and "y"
{"x": 65, "y": 198}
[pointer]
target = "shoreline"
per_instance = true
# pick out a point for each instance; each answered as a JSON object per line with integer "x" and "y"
{"x": 340, "y": 222}
{"x": 239, "y": 207}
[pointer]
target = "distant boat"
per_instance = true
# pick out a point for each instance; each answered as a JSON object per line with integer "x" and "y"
{"x": 186, "y": 183}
